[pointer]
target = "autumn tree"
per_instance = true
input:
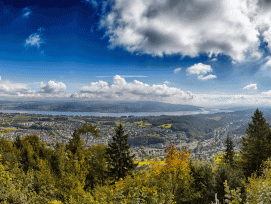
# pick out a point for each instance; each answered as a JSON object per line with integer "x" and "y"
{"x": 175, "y": 176}
{"x": 256, "y": 145}
{"x": 120, "y": 161}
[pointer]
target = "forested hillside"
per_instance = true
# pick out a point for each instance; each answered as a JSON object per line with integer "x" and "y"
{"x": 31, "y": 172}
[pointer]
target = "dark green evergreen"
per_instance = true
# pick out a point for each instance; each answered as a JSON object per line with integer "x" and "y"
{"x": 120, "y": 162}
{"x": 255, "y": 146}
{"x": 229, "y": 156}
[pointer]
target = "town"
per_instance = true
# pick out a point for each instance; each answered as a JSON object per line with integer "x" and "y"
{"x": 53, "y": 129}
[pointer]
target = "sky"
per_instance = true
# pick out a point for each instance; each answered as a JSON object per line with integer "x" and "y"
{"x": 195, "y": 52}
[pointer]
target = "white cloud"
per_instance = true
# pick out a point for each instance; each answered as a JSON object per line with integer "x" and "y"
{"x": 166, "y": 82}
{"x": 26, "y": 12}
{"x": 52, "y": 87}
{"x": 262, "y": 99}
{"x": 199, "y": 69}
{"x": 136, "y": 90}
{"x": 34, "y": 40}
{"x": 251, "y": 87}
{"x": 177, "y": 70}
{"x": 210, "y": 76}
{"x": 267, "y": 93}
{"x": 214, "y": 59}
{"x": 168, "y": 27}
{"x": 8, "y": 88}
{"x": 268, "y": 63}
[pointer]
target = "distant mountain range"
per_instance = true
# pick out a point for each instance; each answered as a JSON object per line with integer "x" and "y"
{"x": 94, "y": 106}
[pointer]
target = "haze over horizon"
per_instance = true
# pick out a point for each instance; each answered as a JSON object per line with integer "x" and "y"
{"x": 198, "y": 52}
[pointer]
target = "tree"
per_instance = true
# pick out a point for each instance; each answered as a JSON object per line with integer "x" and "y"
{"x": 97, "y": 166}
{"x": 120, "y": 162}
{"x": 76, "y": 143}
{"x": 255, "y": 146}
{"x": 229, "y": 156}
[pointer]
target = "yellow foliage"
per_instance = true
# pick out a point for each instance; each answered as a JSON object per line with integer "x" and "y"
{"x": 166, "y": 125}
{"x": 55, "y": 202}
{"x": 175, "y": 174}
{"x": 259, "y": 188}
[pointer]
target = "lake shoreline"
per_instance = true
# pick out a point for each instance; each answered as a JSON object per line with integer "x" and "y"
{"x": 131, "y": 114}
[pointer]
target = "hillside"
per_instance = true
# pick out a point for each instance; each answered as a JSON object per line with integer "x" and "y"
{"x": 94, "y": 106}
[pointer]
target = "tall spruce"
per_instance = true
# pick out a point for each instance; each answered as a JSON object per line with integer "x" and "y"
{"x": 229, "y": 156}
{"x": 120, "y": 161}
{"x": 256, "y": 145}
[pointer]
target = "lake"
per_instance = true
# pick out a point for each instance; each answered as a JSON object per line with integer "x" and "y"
{"x": 177, "y": 113}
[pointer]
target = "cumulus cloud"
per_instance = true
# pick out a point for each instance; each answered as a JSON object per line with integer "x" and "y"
{"x": 177, "y": 70}
{"x": 188, "y": 27}
{"x": 166, "y": 82}
{"x": 201, "y": 69}
{"x": 52, "y": 87}
{"x": 8, "y": 88}
{"x": 210, "y": 76}
{"x": 251, "y": 87}
{"x": 136, "y": 90}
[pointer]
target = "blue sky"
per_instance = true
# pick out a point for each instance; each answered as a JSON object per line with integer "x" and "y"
{"x": 194, "y": 52}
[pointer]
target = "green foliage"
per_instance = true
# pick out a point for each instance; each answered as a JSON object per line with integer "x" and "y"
{"x": 235, "y": 178}
{"x": 229, "y": 156}
{"x": 32, "y": 173}
{"x": 259, "y": 188}
{"x": 256, "y": 145}
{"x": 120, "y": 162}
{"x": 232, "y": 196}
{"x": 203, "y": 182}
{"x": 97, "y": 167}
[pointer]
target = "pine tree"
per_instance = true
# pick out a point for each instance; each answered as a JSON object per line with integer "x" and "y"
{"x": 229, "y": 156}
{"x": 120, "y": 162}
{"x": 255, "y": 147}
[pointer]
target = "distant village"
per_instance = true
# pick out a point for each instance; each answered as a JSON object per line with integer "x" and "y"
{"x": 53, "y": 129}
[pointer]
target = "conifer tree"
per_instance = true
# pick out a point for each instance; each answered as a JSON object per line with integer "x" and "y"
{"x": 120, "y": 162}
{"x": 229, "y": 156}
{"x": 255, "y": 145}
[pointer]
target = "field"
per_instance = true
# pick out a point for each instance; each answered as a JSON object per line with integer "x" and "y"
{"x": 166, "y": 125}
